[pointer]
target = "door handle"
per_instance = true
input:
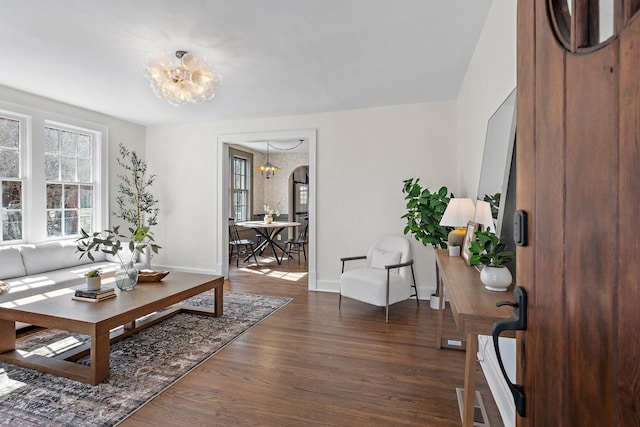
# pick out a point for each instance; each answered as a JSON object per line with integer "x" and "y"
{"x": 517, "y": 322}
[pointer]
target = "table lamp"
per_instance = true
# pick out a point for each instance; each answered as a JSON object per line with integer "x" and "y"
{"x": 483, "y": 215}
{"x": 458, "y": 213}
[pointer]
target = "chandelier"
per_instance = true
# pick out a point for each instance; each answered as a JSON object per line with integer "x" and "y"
{"x": 190, "y": 79}
{"x": 268, "y": 170}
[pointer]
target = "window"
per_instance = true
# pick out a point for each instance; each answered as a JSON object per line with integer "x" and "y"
{"x": 52, "y": 176}
{"x": 240, "y": 177}
{"x": 69, "y": 181}
{"x": 11, "y": 179}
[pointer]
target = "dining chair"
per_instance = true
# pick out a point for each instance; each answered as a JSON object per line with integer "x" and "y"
{"x": 298, "y": 244}
{"x": 238, "y": 245}
{"x": 386, "y": 278}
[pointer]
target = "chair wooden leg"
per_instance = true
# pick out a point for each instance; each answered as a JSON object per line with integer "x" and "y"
{"x": 340, "y": 302}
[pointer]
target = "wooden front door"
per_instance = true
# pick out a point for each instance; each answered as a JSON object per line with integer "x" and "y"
{"x": 578, "y": 165}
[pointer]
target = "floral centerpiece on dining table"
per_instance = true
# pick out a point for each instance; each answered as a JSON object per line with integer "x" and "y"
{"x": 270, "y": 213}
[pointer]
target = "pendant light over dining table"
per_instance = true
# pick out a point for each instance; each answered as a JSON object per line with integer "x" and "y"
{"x": 268, "y": 170}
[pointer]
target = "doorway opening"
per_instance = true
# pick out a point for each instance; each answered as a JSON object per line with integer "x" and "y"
{"x": 279, "y": 138}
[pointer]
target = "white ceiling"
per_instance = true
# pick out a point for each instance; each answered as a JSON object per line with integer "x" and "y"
{"x": 276, "y": 57}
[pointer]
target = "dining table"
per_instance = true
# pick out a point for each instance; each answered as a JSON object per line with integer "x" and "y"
{"x": 268, "y": 231}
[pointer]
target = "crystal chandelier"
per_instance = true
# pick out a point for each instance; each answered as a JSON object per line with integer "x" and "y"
{"x": 190, "y": 79}
{"x": 268, "y": 170}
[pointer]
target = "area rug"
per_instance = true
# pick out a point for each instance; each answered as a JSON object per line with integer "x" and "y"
{"x": 142, "y": 365}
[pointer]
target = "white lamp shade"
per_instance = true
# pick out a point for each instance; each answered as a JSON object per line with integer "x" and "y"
{"x": 458, "y": 213}
{"x": 483, "y": 215}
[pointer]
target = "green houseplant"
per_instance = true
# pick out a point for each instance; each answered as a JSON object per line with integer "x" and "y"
{"x": 424, "y": 212}
{"x": 92, "y": 273}
{"x": 489, "y": 251}
{"x": 136, "y": 203}
{"x": 94, "y": 280}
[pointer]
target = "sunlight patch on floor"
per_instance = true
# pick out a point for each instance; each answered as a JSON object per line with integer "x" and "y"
{"x": 284, "y": 275}
{"x": 58, "y": 347}
{"x": 7, "y": 385}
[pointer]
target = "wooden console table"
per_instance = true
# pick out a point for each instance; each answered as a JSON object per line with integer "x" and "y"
{"x": 474, "y": 311}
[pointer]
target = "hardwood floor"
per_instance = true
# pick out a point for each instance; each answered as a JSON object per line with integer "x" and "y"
{"x": 310, "y": 364}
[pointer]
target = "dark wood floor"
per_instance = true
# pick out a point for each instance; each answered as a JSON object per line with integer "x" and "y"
{"x": 310, "y": 364}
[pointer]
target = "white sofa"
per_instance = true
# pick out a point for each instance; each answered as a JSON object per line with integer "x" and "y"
{"x": 34, "y": 269}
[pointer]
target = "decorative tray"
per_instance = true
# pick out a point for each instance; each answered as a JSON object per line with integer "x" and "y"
{"x": 151, "y": 276}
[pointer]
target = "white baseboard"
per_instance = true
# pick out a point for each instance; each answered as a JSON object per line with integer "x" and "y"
{"x": 424, "y": 293}
{"x": 497, "y": 383}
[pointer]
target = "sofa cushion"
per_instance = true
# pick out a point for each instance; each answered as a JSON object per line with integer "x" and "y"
{"x": 51, "y": 256}
{"x": 11, "y": 263}
{"x": 48, "y": 281}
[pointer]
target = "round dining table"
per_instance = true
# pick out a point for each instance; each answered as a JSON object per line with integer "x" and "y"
{"x": 268, "y": 233}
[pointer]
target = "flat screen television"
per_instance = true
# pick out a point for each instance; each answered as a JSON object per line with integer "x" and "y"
{"x": 497, "y": 174}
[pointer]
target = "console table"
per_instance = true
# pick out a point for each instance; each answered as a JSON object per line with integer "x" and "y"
{"x": 474, "y": 311}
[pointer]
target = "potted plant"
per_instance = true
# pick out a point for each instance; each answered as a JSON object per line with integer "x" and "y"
{"x": 424, "y": 212}
{"x": 270, "y": 213}
{"x": 109, "y": 242}
{"x": 94, "y": 280}
{"x": 489, "y": 251}
{"x": 136, "y": 204}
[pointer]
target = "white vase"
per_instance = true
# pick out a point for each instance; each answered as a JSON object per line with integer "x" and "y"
{"x": 268, "y": 219}
{"x": 496, "y": 278}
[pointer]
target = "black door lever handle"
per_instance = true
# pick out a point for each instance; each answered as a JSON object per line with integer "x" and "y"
{"x": 510, "y": 303}
{"x": 517, "y": 322}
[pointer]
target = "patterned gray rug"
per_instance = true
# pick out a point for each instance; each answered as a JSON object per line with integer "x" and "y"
{"x": 142, "y": 366}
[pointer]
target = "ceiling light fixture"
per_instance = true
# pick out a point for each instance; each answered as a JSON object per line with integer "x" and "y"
{"x": 268, "y": 170}
{"x": 189, "y": 80}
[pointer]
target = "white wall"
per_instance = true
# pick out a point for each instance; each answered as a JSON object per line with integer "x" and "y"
{"x": 132, "y": 135}
{"x": 362, "y": 158}
{"x": 490, "y": 77}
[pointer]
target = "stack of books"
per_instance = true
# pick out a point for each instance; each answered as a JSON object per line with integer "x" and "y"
{"x": 91, "y": 295}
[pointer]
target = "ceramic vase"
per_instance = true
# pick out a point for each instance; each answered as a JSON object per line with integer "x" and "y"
{"x": 94, "y": 283}
{"x": 126, "y": 277}
{"x": 496, "y": 278}
{"x": 268, "y": 219}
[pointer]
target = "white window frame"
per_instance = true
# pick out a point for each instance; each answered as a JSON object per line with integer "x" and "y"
{"x": 33, "y": 169}
{"x": 24, "y": 127}
{"x": 248, "y": 179}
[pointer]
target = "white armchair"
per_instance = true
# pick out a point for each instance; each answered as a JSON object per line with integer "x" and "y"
{"x": 387, "y": 277}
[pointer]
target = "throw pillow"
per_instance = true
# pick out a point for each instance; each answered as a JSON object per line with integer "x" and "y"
{"x": 380, "y": 258}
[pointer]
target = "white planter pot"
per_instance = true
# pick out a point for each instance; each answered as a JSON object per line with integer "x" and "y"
{"x": 434, "y": 302}
{"x": 496, "y": 278}
{"x": 94, "y": 283}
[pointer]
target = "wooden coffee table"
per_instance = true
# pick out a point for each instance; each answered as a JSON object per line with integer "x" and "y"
{"x": 98, "y": 320}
